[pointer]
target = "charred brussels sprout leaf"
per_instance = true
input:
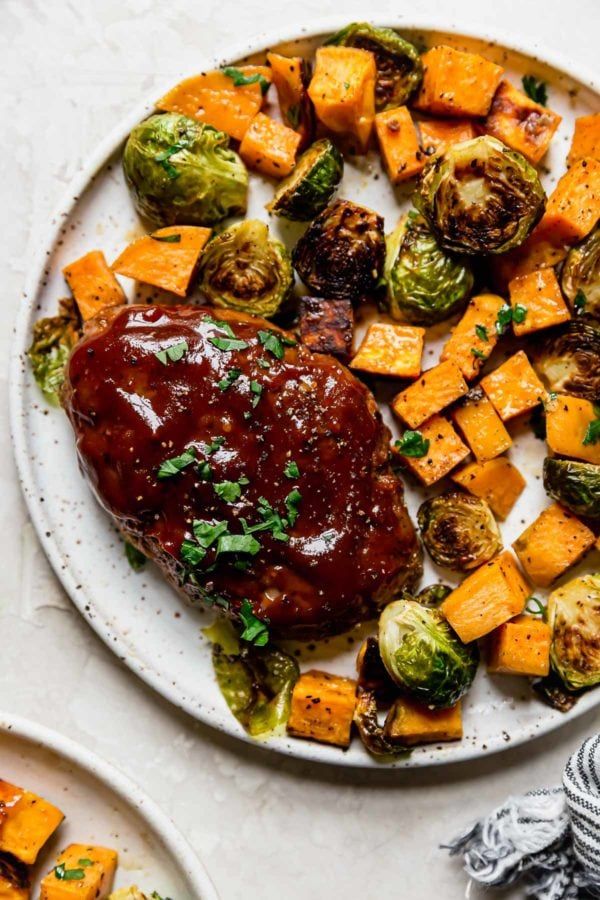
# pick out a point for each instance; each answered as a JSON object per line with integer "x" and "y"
{"x": 574, "y": 618}
{"x": 180, "y": 171}
{"x": 568, "y": 359}
{"x": 458, "y": 530}
{"x": 480, "y": 197}
{"x": 53, "y": 339}
{"x": 244, "y": 269}
{"x": 580, "y": 279}
{"x": 433, "y": 595}
{"x": 425, "y": 284}
{"x": 423, "y": 655}
{"x": 371, "y": 732}
{"x": 575, "y": 485}
{"x": 341, "y": 254}
{"x": 399, "y": 67}
{"x": 310, "y": 187}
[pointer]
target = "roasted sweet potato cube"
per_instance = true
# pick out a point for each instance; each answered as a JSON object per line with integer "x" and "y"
{"x": 586, "y": 139}
{"x": 543, "y": 248}
{"x": 87, "y": 874}
{"x": 342, "y": 90}
{"x": 513, "y": 387}
{"x": 15, "y": 881}
{"x": 433, "y": 391}
{"x": 475, "y": 335}
{"x": 520, "y": 122}
{"x": 166, "y": 258}
{"x": 399, "y": 144}
{"x": 290, "y": 77}
{"x": 439, "y": 134}
{"x": 26, "y": 822}
{"x": 481, "y": 426}
{"x": 539, "y": 294}
{"x": 412, "y": 723}
{"x": 446, "y": 450}
{"x": 520, "y": 647}
{"x": 93, "y": 284}
{"x": 567, "y": 422}
{"x": 391, "y": 350}
{"x": 491, "y": 595}
{"x": 496, "y": 481}
{"x": 457, "y": 83}
{"x": 269, "y": 146}
{"x": 552, "y": 544}
{"x": 323, "y": 708}
{"x": 327, "y": 326}
{"x": 573, "y": 207}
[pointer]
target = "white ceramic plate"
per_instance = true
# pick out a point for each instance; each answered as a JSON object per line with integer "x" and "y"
{"x": 138, "y": 616}
{"x": 101, "y": 806}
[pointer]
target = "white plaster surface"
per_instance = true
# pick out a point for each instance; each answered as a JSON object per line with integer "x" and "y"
{"x": 266, "y": 827}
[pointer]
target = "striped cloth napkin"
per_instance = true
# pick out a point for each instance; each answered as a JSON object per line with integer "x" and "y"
{"x": 547, "y": 839}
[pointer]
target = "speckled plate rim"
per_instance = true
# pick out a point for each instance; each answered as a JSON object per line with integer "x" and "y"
{"x": 183, "y": 856}
{"x": 226, "y": 723}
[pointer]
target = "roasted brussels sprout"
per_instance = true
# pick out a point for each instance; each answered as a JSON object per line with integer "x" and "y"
{"x": 53, "y": 339}
{"x": 423, "y": 655}
{"x": 458, "y": 530}
{"x": 372, "y": 676}
{"x": 433, "y": 595}
{"x": 303, "y": 194}
{"x": 341, "y": 254}
{"x": 371, "y": 732}
{"x": 399, "y": 67}
{"x": 480, "y": 197}
{"x": 568, "y": 359}
{"x": 574, "y": 618}
{"x": 425, "y": 284}
{"x": 246, "y": 270}
{"x": 182, "y": 172}
{"x": 574, "y": 484}
{"x": 580, "y": 279}
{"x": 552, "y": 691}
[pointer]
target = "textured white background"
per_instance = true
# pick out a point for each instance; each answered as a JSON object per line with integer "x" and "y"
{"x": 265, "y": 827}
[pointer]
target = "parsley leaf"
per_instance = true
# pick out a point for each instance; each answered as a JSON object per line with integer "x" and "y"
{"x": 163, "y": 159}
{"x": 238, "y": 543}
{"x": 206, "y": 533}
{"x": 503, "y": 319}
{"x": 85, "y": 862}
{"x": 579, "y": 303}
{"x": 592, "y": 434}
{"x": 478, "y": 353}
{"x": 413, "y": 444}
{"x": 535, "y": 90}
{"x": 482, "y": 333}
{"x": 255, "y": 630}
{"x": 135, "y": 557}
{"x": 519, "y": 313}
{"x": 205, "y": 470}
{"x": 225, "y": 383}
{"x": 64, "y": 874}
{"x": 230, "y": 491}
{"x": 228, "y": 344}
{"x": 275, "y": 343}
{"x": 240, "y": 79}
{"x": 192, "y": 553}
{"x": 173, "y": 353}
{"x": 173, "y": 466}
{"x": 293, "y": 116}
{"x": 271, "y": 521}
{"x": 222, "y": 326}
{"x": 215, "y": 444}
{"x": 257, "y": 390}
{"x": 535, "y": 607}
{"x": 291, "y": 470}
{"x": 167, "y": 238}
{"x": 291, "y": 504}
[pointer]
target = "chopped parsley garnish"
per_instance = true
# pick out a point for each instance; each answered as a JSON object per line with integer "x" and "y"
{"x": 291, "y": 504}
{"x": 291, "y": 470}
{"x": 238, "y": 543}
{"x": 579, "y": 303}
{"x": 477, "y": 353}
{"x": 205, "y": 470}
{"x": 164, "y": 156}
{"x": 225, "y": 383}
{"x": 215, "y": 444}
{"x": 263, "y": 363}
{"x": 222, "y": 326}
{"x": 85, "y": 862}
{"x": 413, "y": 444}
{"x": 257, "y": 390}
{"x": 206, "y": 533}
{"x": 535, "y": 90}
{"x": 228, "y": 344}
{"x": 519, "y": 313}
{"x": 275, "y": 343}
{"x": 592, "y": 434}
{"x": 271, "y": 521}
{"x": 255, "y": 630}
{"x": 192, "y": 554}
{"x": 240, "y": 79}
{"x": 293, "y": 115}
{"x": 230, "y": 491}
{"x": 482, "y": 333}
{"x": 176, "y": 464}
{"x": 135, "y": 557}
{"x": 173, "y": 353}
{"x": 64, "y": 874}
{"x": 535, "y": 607}
{"x": 503, "y": 319}
{"x": 167, "y": 238}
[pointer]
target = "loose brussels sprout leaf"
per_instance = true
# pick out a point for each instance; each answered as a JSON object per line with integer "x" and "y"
{"x": 53, "y": 339}
{"x": 580, "y": 279}
{"x": 568, "y": 359}
{"x": 341, "y": 254}
{"x": 182, "y": 172}
{"x": 433, "y": 595}
{"x": 459, "y": 530}
{"x": 575, "y": 485}
{"x": 256, "y": 682}
{"x": 574, "y": 619}
{"x": 399, "y": 67}
{"x": 423, "y": 655}
{"x": 480, "y": 197}
{"x": 425, "y": 284}
{"x": 303, "y": 194}
{"x": 370, "y": 731}
{"x": 244, "y": 269}
{"x": 553, "y": 692}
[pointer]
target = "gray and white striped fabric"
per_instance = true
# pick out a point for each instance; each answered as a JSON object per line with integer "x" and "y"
{"x": 549, "y": 840}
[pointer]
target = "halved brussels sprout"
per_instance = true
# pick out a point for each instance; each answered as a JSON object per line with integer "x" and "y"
{"x": 425, "y": 284}
{"x": 303, "y": 194}
{"x": 341, "y": 254}
{"x": 53, "y": 339}
{"x": 568, "y": 359}
{"x": 423, "y": 655}
{"x": 459, "y": 530}
{"x": 574, "y": 618}
{"x": 244, "y": 269}
{"x": 399, "y": 66}
{"x": 371, "y": 732}
{"x": 575, "y": 485}
{"x": 182, "y": 172}
{"x": 480, "y": 197}
{"x": 580, "y": 279}
{"x": 433, "y": 595}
